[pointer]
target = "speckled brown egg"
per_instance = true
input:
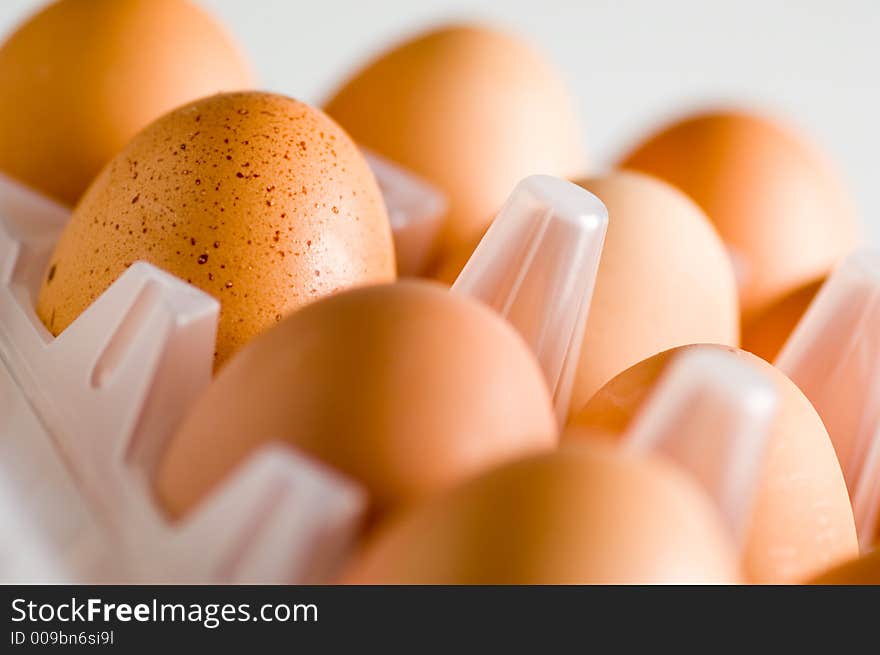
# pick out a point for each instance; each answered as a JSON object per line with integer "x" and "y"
{"x": 80, "y": 78}
{"x": 258, "y": 199}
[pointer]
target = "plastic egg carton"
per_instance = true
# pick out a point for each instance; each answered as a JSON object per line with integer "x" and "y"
{"x": 85, "y": 416}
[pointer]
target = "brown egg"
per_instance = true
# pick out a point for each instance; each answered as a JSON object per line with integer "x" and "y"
{"x": 258, "y": 199}
{"x": 664, "y": 280}
{"x": 802, "y": 520}
{"x": 80, "y": 78}
{"x": 864, "y": 570}
{"x": 471, "y": 110}
{"x": 775, "y": 201}
{"x": 405, "y": 388}
{"x": 581, "y": 515}
{"x": 766, "y": 333}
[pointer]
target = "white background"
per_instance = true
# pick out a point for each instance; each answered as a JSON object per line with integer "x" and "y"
{"x": 630, "y": 64}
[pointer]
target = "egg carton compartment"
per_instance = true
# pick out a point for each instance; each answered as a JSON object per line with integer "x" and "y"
{"x": 86, "y": 415}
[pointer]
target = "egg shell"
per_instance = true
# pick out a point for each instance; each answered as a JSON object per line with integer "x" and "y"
{"x": 664, "y": 280}
{"x": 81, "y": 77}
{"x": 581, "y": 515}
{"x": 775, "y": 200}
{"x": 405, "y": 388}
{"x": 259, "y": 200}
{"x": 470, "y": 109}
{"x": 802, "y": 521}
{"x": 766, "y": 333}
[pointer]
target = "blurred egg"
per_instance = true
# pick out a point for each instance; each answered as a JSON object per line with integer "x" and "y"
{"x": 580, "y": 515}
{"x": 776, "y": 202}
{"x": 864, "y": 570}
{"x": 766, "y": 333}
{"x": 471, "y": 110}
{"x": 81, "y": 77}
{"x": 802, "y": 520}
{"x": 405, "y": 388}
{"x": 259, "y": 200}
